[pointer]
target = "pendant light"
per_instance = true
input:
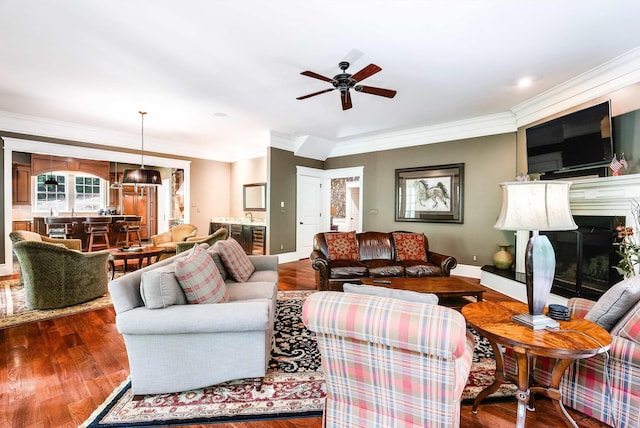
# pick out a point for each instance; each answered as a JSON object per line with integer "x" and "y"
{"x": 116, "y": 184}
{"x": 142, "y": 176}
{"x": 51, "y": 181}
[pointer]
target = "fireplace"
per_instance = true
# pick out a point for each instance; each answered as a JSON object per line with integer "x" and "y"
{"x": 585, "y": 257}
{"x": 598, "y": 197}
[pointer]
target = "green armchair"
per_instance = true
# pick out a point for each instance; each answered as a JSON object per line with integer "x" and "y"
{"x": 55, "y": 276}
{"x": 218, "y": 235}
{"x": 23, "y": 235}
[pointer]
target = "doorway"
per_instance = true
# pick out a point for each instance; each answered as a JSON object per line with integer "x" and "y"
{"x": 316, "y": 206}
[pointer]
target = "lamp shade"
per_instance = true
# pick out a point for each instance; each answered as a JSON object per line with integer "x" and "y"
{"x": 142, "y": 177}
{"x": 535, "y": 205}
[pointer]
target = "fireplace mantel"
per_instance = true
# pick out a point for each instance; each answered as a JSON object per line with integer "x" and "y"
{"x": 606, "y": 196}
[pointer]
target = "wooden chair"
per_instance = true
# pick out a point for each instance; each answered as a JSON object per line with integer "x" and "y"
{"x": 129, "y": 229}
{"x": 97, "y": 228}
{"x": 59, "y": 227}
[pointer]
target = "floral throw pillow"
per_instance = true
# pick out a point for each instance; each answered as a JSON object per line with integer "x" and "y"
{"x": 342, "y": 245}
{"x": 409, "y": 246}
{"x": 199, "y": 278}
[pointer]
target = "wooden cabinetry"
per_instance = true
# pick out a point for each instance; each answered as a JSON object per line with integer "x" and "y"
{"x": 21, "y": 180}
{"x": 250, "y": 237}
{"x": 21, "y": 225}
{"x": 144, "y": 205}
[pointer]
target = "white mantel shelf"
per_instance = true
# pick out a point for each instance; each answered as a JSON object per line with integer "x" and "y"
{"x": 606, "y": 196}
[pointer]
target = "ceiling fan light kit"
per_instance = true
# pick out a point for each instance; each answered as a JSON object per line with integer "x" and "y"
{"x": 345, "y": 81}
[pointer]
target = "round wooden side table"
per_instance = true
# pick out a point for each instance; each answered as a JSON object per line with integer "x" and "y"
{"x": 574, "y": 339}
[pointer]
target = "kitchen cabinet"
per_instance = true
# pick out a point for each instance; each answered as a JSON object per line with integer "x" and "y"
{"x": 21, "y": 225}
{"x": 21, "y": 180}
{"x": 250, "y": 237}
{"x": 141, "y": 204}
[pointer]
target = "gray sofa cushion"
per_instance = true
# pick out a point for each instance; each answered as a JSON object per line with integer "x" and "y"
{"x": 159, "y": 288}
{"x": 374, "y": 290}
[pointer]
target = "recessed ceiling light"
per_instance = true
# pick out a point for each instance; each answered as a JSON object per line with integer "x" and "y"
{"x": 525, "y": 82}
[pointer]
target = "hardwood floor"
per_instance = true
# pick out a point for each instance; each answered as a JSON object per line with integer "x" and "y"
{"x": 55, "y": 373}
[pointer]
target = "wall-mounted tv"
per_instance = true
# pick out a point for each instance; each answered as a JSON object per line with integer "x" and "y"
{"x": 580, "y": 141}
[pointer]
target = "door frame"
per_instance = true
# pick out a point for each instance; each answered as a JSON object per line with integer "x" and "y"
{"x": 326, "y": 175}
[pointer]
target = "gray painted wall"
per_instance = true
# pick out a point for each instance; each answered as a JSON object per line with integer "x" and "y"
{"x": 488, "y": 162}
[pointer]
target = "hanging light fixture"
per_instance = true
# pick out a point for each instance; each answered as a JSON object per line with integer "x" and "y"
{"x": 116, "y": 184}
{"x": 51, "y": 181}
{"x": 142, "y": 176}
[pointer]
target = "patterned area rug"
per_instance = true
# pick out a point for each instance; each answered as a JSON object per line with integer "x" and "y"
{"x": 14, "y": 311}
{"x": 293, "y": 387}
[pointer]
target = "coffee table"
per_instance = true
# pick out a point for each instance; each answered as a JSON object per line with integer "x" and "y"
{"x": 446, "y": 288}
{"x": 133, "y": 254}
{"x": 574, "y": 339}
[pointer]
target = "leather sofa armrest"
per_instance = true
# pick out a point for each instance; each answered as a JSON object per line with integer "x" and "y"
{"x": 321, "y": 265}
{"x": 445, "y": 262}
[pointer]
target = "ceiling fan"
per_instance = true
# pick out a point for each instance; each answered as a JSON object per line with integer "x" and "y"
{"x": 345, "y": 81}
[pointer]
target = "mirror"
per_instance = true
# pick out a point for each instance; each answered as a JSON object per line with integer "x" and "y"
{"x": 254, "y": 197}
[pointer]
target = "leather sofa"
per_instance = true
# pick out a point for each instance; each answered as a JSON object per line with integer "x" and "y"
{"x": 377, "y": 257}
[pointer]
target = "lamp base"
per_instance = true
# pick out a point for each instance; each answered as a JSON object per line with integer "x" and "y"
{"x": 535, "y": 322}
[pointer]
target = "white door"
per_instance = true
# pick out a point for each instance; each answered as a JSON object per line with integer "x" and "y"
{"x": 353, "y": 208}
{"x": 309, "y": 213}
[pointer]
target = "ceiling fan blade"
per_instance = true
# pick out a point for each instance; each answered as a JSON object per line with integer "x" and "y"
{"x": 346, "y": 100}
{"x": 389, "y": 93}
{"x": 317, "y": 76}
{"x": 315, "y": 93}
{"x": 369, "y": 70}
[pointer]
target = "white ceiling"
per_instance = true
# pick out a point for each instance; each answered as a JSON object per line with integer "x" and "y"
{"x": 216, "y": 76}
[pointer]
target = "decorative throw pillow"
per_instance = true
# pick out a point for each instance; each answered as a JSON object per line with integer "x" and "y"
{"x": 407, "y": 295}
{"x": 409, "y": 246}
{"x": 615, "y": 303}
{"x": 342, "y": 245}
{"x": 159, "y": 288}
{"x": 235, "y": 259}
{"x": 215, "y": 255}
{"x": 199, "y": 278}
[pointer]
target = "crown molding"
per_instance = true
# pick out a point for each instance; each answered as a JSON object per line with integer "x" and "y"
{"x": 55, "y": 129}
{"x": 602, "y": 80}
{"x": 495, "y": 124}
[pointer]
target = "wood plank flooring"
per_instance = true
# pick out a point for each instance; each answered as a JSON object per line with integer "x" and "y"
{"x": 54, "y": 373}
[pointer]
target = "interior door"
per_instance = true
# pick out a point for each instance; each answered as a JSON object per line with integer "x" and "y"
{"x": 353, "y": 208}
{"x": 309, "y": 213}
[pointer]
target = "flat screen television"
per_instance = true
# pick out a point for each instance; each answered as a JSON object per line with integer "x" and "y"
{"x": 580, "y": 142}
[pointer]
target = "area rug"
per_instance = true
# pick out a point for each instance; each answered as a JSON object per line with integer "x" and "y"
{"x": 14, "y": 311}
{"x": 294, "y": 385}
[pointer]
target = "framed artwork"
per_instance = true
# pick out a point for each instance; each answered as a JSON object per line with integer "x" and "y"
{"x": 430, "y": 193}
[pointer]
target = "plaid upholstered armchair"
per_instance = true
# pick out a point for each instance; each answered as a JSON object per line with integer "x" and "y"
{"x": 584, "y": 385}
{"x": 389, "y": 363}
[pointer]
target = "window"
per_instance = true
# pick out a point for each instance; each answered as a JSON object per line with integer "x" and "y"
{"x": 50, "y": 197}
{"x": 77, "y": 192}
{"x": 88, "y": 195}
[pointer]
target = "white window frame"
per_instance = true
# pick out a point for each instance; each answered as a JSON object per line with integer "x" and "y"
{"x": 69, "y": 203}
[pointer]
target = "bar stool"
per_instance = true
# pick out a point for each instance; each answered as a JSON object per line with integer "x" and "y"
{"x": 97, "y": 227}
{"x": 129, "y": 228}
{"x": 59, "y": 227}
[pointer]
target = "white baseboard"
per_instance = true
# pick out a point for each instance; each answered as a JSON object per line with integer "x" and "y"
{"x": 514, "y": 289}
{"x": 467, "y": 271}
{"x": 288, "y": 257}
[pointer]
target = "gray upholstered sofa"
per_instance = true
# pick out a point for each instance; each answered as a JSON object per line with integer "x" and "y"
{"x": 187, "y": 346}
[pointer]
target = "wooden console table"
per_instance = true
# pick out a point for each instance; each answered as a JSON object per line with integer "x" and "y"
{"x": 575, "y": 339}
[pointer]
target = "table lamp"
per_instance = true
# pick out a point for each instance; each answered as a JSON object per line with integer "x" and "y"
{"x": 535, "y": 206}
